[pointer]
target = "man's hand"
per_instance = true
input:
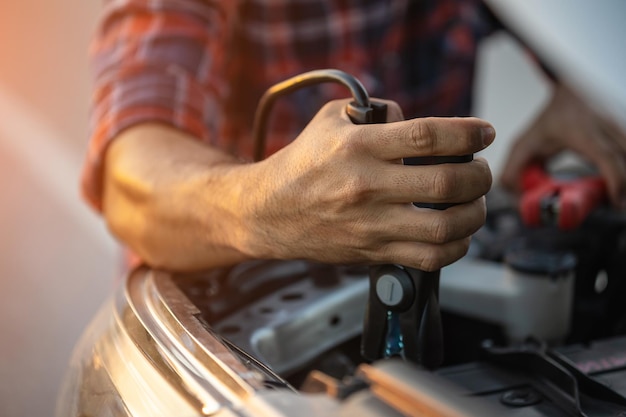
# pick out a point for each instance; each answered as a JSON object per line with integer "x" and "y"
{"x": 568, "y": 123}
{"x": 339, "y": 193}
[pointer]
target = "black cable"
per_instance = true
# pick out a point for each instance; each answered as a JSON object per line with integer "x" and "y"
{"x": 361, "y": 98}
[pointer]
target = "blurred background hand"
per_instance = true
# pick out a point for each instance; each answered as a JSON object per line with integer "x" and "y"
{"x": 567, "y": 122}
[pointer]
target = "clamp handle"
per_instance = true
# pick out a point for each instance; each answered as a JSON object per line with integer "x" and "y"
{"x": 403, "y": 315}
{"x": 420, "y": 323}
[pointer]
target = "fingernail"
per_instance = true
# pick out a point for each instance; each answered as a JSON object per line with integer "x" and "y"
{"x": 488, "y": 134}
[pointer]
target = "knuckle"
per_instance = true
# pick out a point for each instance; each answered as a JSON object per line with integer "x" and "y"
{"x": 460, "y": 250}
{"x": 433, "y": 260}
{"x": 485, "y": 175}
{"x": 423, "y": 136}
{"x": 463, "y": 248}
{"x": 475, "y": 219}
{"x": 353, "y": 142}
{"x": 444, "y": 255}
{"x": 355, "y": 191}
{"x": 445, "y": 182}
{"x": 441, "y": 230}
{"x": 380, "y": 252}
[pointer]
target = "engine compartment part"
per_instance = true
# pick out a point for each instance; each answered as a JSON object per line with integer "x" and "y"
{"x": 151, "y": 347}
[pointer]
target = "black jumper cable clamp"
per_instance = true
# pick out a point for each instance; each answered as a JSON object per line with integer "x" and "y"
{"x": 402, "y": 315}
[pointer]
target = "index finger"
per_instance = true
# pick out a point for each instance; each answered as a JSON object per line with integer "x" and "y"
{"x": 433, "y": 136}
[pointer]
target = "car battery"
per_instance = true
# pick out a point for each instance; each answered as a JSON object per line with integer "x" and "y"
{"x": 531, "y": 380}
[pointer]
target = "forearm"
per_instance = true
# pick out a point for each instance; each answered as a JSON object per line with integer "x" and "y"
{"x": 148, "y": 60}
{"x": 336, "y": 194}
{"x": 173, "y": 200}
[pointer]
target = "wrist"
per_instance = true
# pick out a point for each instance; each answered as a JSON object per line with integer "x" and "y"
{"x": 250, "y": 192}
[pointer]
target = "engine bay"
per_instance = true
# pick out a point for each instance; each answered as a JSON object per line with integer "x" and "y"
{"x": 301, "y": 319}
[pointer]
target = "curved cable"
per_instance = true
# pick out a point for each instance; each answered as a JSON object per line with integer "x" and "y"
{"x": 361, "y": 98}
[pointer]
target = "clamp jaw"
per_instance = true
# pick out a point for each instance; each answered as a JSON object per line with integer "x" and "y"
{"x": 565, "y": 203}
{"x": 403, "y": 316}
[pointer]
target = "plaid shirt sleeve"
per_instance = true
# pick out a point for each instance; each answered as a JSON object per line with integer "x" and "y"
{"x": 153, "y": 60}
{"x": 201, "y": 65}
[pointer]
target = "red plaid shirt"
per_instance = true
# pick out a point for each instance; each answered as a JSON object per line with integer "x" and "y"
{"x": 202, "y": 65}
